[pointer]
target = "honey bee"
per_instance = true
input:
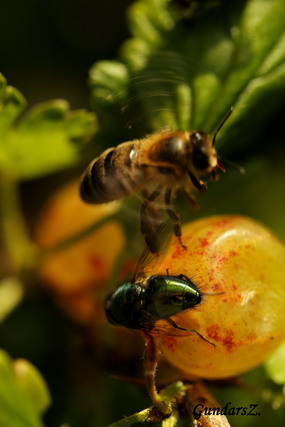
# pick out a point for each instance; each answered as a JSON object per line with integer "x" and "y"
{"x": 164, "y": 162}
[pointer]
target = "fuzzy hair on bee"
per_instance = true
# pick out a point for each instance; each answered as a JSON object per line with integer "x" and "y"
{"x": 164, "y": 161}
{"x": 166, "y": 158}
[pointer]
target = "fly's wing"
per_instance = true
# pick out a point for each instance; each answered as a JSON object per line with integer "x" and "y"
{"x": 149, "y": 259}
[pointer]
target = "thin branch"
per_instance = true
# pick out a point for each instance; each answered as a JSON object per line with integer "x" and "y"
{"x": 151, "y": 415}
{"x": 198, "y": 398}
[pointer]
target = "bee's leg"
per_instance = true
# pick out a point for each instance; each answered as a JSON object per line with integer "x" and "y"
{"x": 191, "y": 199}
{"x": 153, "y": 209}
{"x": 148, "y": 222}
{"x": 151, "y": 357}
{"x": 173, "y": 216}
{"x": 172, "y": 323}
{"x": 215, "y": 175}
{"x": 198, "y": 183}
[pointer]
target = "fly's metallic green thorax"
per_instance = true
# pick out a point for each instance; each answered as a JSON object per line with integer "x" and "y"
{"x": 140, "y": 306}
{"x": 168, "y": 295}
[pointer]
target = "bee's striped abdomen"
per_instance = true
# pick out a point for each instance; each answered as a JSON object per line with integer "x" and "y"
{"x": 110, "y": 176}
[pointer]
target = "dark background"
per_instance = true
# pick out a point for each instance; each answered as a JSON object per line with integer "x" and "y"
{"x": 47, "y": 47}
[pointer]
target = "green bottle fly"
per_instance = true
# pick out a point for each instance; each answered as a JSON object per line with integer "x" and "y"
{"x": 147, "y": 298}
{"x": 140, "y": 305}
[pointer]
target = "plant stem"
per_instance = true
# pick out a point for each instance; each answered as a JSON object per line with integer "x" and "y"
{"x": 74, "y": 238}
{"x": 18, "y": 246}
{"x": 168, "y": 395}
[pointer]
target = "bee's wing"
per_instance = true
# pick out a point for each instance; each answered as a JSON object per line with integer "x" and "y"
{"x": 148, "y": 259}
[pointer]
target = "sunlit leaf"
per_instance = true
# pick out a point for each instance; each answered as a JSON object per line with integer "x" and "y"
{"x": 47, "y": 138}
{"x": 23, "y": 393}
{"x": 30, "y": 381}
{"x": 109, "y": 82}
{"x": 11, "y": 293}
{"x": 275, "y": 366}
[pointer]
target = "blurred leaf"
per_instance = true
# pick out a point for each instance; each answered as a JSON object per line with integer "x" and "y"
{"x": 30, "y": 381}
{"x": 11, "y": 293}
{"x": 149, "y": 20}
{"x": 23, "y": 394}
{"x": 108, "y": 81}
{"x": 275, "y": 366}
{"x": 187, "y": 74}
{"x": 254, "y": 389}
{"x": 43, "y": 141}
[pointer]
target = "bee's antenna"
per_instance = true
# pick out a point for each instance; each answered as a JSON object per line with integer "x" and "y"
{"x": 222, "y": 124}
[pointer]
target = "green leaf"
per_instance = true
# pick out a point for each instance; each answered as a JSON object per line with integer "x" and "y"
{"x": 30, "y": 381}
{"x": 275, "y": 365}
{"x": 108, "y": 81}
{"x": 23, "y": 394}
{"x": 12, "y": 103}
{"x": 47, "y": 138}
{"x": 187, "y": 74}
{"x": 11, "y": 293}
{"x": 148, "y": 20}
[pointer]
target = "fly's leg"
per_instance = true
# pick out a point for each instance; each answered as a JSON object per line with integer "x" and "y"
{"x": 174, "y": 324}
{"x": 151, "y": 357}
{"x": 174, "y": 217}
{"x": 147, "y": 222}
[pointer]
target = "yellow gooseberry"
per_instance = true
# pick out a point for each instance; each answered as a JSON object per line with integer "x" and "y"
{"x": 75, "y": 274}
{"x": 240, "y": 267}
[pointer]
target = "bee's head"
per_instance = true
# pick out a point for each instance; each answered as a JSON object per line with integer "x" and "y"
{"x": 204, "y": 155}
